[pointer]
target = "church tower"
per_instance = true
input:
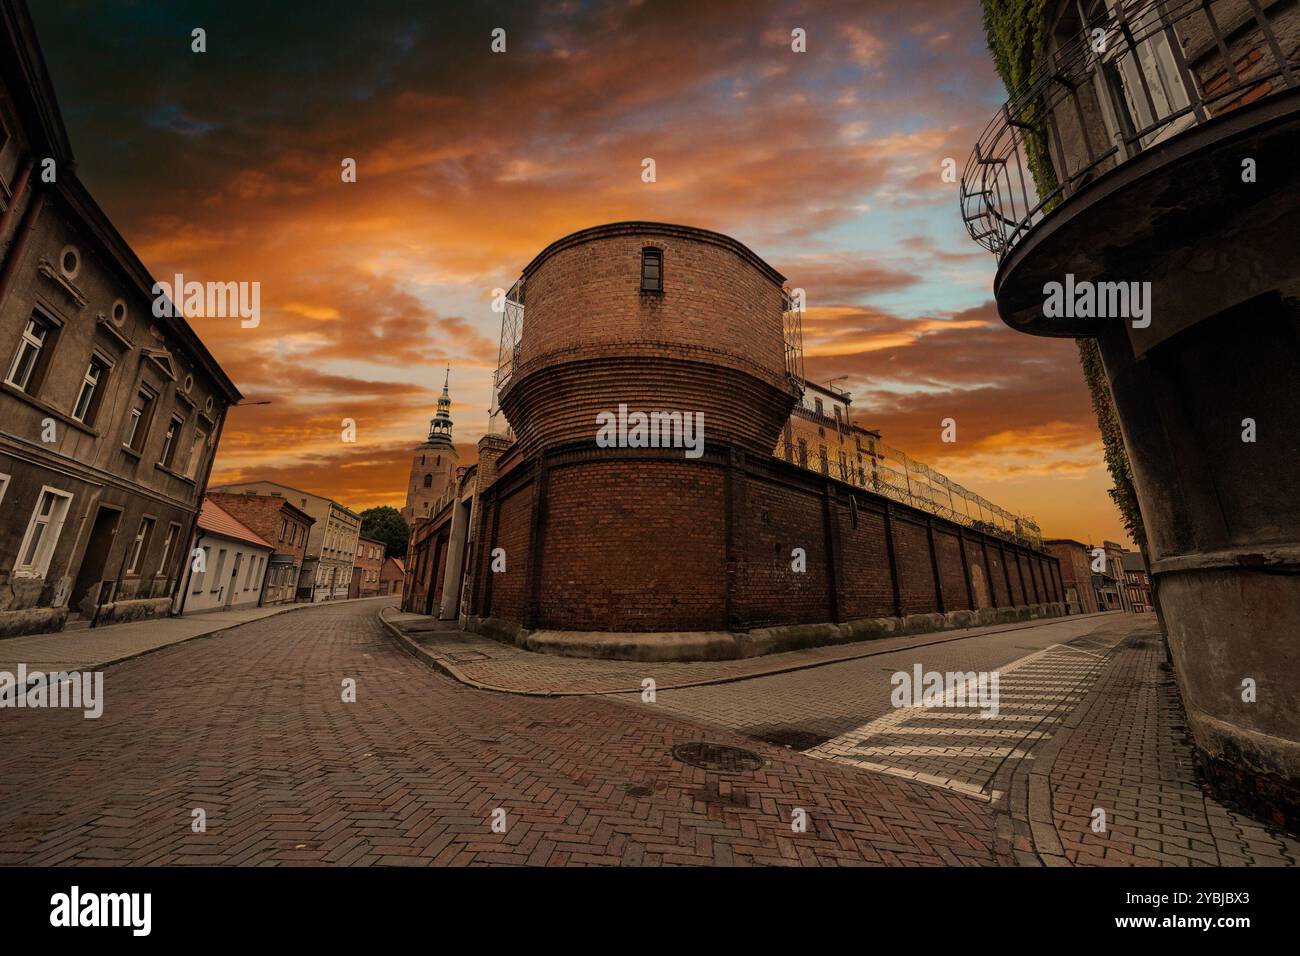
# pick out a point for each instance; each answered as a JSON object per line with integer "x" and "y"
{"x": 433, "y": 463}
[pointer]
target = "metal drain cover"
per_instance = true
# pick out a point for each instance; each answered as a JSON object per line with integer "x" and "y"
{"x": 718, "y": 757}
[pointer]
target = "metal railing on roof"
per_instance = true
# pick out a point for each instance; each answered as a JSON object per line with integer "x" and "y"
{"x": 512, "y": 328}
{"x": 898, "y": 476}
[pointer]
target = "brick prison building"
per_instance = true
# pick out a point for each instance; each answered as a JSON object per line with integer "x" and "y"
{"x": 109, "y": 416}
{"x": 662, "y": 545}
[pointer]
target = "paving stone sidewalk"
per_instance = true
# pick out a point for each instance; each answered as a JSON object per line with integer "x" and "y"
{"x": 492, "y": 665}
{"x": 94, "y": 648}
{"x": 1125, "y": 750}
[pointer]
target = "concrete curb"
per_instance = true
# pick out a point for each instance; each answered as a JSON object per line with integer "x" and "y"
{"x": 691, "y": 646}
{"x": 1026, "y": 827}
{"x": 450, "y": 670}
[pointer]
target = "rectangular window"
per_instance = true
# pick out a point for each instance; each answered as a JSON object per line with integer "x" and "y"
{"x": 652, "y": 270}
{"x": 140, "y": 547}
{"x": 196, "y": 453}
{"x": 33, "y": 351}
{"x": 4, "y": 486}
{"x": 169, "y": 542}
{"x": 221, "y": 565}
{"x": 88, "y": 398}
{"x": 137, "y": 426}
{"x": 283, "y": 524}
{"x": 200, "y": 575}
{"x": 42, "y": 533}
{"x": 169, "y": 442}
{"x": 248, "y": 575}
{"x": 803, "y": 453}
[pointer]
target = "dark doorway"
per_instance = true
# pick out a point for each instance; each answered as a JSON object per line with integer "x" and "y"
{"x": 95, "y": 559}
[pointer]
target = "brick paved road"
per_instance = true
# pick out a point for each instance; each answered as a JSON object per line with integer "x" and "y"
{"x": 250, "y": 727}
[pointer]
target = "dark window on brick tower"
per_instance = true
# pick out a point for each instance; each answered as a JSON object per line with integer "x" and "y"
{"x": 652, "y": 270}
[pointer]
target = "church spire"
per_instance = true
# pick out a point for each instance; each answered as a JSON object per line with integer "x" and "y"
{"x": 440, "y": 424}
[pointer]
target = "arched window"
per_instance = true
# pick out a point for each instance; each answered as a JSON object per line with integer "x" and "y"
{"x": 428, "y": 481}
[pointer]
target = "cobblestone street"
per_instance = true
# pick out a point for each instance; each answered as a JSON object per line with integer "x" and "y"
{"x": 250, "y": 727}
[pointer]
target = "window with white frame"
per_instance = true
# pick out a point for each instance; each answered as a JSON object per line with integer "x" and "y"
{"x": 170, "y": 441}
{"x": 169, "y": 542}
{"x": 196, "y": 452}
{"x": 4, "y": 485}
{"x": 91, "y": 389}
{"x": 137, "y": 425}
{"x": 200, "y": 575}
{"x": 140, "y": 546}
{"x": 32, "y": 354}
{"x": 42, "y": 533}
{"x": 221, "y": 566}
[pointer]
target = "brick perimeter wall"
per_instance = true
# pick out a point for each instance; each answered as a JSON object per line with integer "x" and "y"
{"x": 773, "y": 523}
{"x": 642, "y": 544}
{"x": 634, "y": 545}
{"x": 868, "y": 586}
{"x": 951, "y": 574}
{"x": 508, "y": 589}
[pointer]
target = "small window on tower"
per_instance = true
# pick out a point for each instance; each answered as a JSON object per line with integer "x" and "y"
{"x": 428, "y": 481}
{"x": 652, "y": 270}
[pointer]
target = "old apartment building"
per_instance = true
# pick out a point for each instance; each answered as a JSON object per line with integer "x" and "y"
{"x": 365, "y": 573}
{"x": 109, "y": 417}
{"x": 331, "y": 544}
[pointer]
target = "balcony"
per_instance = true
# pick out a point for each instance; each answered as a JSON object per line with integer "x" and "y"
{"x": 1125, "y": 155}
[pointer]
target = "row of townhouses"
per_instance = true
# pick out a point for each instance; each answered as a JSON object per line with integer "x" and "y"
{"x": 314, "y": 547}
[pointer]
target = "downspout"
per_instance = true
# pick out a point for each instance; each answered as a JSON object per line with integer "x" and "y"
{"x": 15, "y": 198}
{"x": 200, "y": 491}
{"x": 19, "y": 246}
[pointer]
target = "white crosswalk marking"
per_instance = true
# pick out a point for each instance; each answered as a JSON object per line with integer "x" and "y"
{"x": 961, "y": 748}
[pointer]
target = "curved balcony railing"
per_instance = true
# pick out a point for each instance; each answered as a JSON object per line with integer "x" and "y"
{"x": 1120, "y": 77}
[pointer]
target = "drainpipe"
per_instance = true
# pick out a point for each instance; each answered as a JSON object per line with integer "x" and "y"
{"x": 16, "y": 198}
{"x": 19, "y": 246}
{"x": 201, "y": 490}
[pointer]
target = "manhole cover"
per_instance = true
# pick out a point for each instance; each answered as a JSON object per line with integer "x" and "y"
{"x": 717, "y": 757}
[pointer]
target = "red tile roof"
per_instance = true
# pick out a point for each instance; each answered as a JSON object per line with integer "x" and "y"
{"x": 212, "y": 518}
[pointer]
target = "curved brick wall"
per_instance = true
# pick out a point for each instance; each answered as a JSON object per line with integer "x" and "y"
{"x": 712, "y": 342}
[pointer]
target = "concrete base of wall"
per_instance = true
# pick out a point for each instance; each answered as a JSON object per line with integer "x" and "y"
{"x": 32, "y": 620}
{"x": 729, "y": 645}
{"x": 120, "y": 612}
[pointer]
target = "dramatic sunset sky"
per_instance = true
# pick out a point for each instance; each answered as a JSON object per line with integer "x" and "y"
{"x": 225, "y": 166}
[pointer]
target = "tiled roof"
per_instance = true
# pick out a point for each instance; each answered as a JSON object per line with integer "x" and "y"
{"x": 212, "y": 518}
